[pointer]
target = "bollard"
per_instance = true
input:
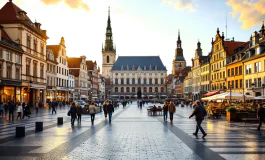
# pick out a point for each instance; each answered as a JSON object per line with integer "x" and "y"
{"x": 20, "y": 131}
{"x": 38, "y": 126}
{"x": 60, "y": 120}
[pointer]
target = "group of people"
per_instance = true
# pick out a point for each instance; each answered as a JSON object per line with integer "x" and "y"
{"x": 76, "y": 111}
{"x": 10, "y": 107}
{"x": 199, "y": 112}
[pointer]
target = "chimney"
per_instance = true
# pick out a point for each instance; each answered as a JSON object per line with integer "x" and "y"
{"x": 37, "y": 25}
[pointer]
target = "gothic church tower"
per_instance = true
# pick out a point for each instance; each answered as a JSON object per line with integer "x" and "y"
{"x": 108, "y": 52}
{"x": 179, "y": 61}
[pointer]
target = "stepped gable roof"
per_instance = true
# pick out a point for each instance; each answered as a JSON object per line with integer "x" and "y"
{"x": 55, "y": 49}
{"x": 9, "y": 12}
{"x": 135, "y": 61}
{"x": 90, "y": 65}
{"x": 231, "y": 45}
{"x": 74, "y": 62}
{"x": 74, "y": 72}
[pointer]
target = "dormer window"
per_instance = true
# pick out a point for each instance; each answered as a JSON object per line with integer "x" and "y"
{"x": 155, "y": 67}
{"x": 144, "y": 67}
{"x": 127, "y": 67}
{"x": 121, "y": 67}
{"x": 133, "y": 67}
{"x": 150, "y": 68}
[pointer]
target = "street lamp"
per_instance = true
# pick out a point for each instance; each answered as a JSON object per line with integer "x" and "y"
{"x": 230, "y": 87}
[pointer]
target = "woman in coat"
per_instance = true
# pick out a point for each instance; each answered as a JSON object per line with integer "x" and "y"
{"x": 92, "y": 111}
{"x": 26, "y": 111}
{"x": 73, "y": 112}
{"x": 105, "y": 109}
{"x": 19, "y": 110}
{"x": 79, "y": 112}
{"x": 171, "y": 110}
{"x": 165, "y": 110}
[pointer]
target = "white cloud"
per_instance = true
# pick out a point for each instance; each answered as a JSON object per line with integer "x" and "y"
{"x": 181, "y": 4}
{"x": 71, "y": 3}
{"x": 251, "y": 13}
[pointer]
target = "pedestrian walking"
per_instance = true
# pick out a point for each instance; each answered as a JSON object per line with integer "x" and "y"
{"x": 11, "y": 108}
{"x": 26, "y": 111}
{"x": 105, "y": 109}
{"x": 261, "y": 115}
{"x": 19, "y": 110}
{"x": 54, "y": 104}
{"x": 199, "y": 112}
{"x": 110, "y": 110}
{"x": 6, "y": 107}
{"x": 92, "y": 112}
{"x": 73, "y": 112}
{"x": 171, "y": 110}
{"x": 79, "y": 112}
{"x": 1, "y": 109}
{"x": 37, "y": 106}
{"x": 165, "y": 111}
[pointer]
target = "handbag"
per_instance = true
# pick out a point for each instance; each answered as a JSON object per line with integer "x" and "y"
{"x": 69, "y": 113}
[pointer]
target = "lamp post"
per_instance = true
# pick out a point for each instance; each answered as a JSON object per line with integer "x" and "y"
{"x": 230, "y": 87}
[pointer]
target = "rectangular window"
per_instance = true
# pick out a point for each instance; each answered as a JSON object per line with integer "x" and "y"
{"x": 236, "y": 83}
{"x": 257, "y": 67}
{"x": 250, "y": 83}
{"x": 17, "y": 73}
{"x": 255, "y": 82}
{"x": 150, "y": 81}
{"x": 246, "y": 83}
{"x": 48, "y": 81}
{"x": 240, "y": 70}
{"x": 241, "y": 83}
{"x": 156, "y": 81}
{"x": 35, "y": 69}
{"x": 228, "y": 84}
{"x": 28, "y": 67}
{"x": 122, "y": 81}
{"x": 18, "y": 59}
{"x": 116, "y": 80}
{"x": 248, "y": 69}
{"x": 8, "y": 56}
{"x": 236, "y": 71}
{"x": 232, "y": 84}
{"x": 223, "y": 74}
{"x": 232, "y": 72}
{"x": 28, "y": 42}
{"x": 35, "y": 46}
{"x": 127, "y": 81}
{"x": 259, "y": 82}
{"x": 162, "y": 81}
{"x": 41, "y": 70}
{"x": 145, "y": 81}
{"x": 42, "y": 49}
{"x": 8, "y": 72}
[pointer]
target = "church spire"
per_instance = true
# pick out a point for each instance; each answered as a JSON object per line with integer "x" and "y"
{"x": 109, "y": 41}
{"x": 179, "y": 40}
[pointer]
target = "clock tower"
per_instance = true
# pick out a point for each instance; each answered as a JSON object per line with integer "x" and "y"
{"x": 179, "y": 61}
{"x": 108, "y": 51}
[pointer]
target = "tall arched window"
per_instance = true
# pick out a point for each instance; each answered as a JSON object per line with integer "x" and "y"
{"x": 144, "y": 89}
{"x": 122, "y": 89}
{"x": 133, "y": 89}
{"x": 116, "y": 89}
{"x": 162, "y": 89}
{"x": 127, "y": 89}
{"x": 107, "y": 59}
{"x": 150, "y": 89}
{"x": 156, "y": 89}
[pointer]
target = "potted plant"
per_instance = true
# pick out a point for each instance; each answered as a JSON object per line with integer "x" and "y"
{"x": 231, "y": 114}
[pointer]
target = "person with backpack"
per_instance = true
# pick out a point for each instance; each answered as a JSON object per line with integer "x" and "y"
{"x": 92, "y": 112}
{"x": 199, "y": 113}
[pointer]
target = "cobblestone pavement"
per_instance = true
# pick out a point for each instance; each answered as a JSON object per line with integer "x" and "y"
{"x": 133, "y": 135}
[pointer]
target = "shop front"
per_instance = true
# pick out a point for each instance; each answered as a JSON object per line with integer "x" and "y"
{"x": 50, "y": 94}
{"x": 10, "y": 90}
{"x": 33, "y": 93}
{"x": 62, "y": 94}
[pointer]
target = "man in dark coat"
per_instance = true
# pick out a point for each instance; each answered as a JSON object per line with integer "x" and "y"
{"x": 261, "y": 115}
{"x": 110, "y": 110}
{"x": 54, "y": 106}
{"x": 199, "y": 113}
{"x": 11, "y": 108}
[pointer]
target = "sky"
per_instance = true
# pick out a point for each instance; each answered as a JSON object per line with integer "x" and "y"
{"x": 143, "y": 27}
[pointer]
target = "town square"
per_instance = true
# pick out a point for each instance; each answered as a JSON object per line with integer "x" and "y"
{"x": 132, "y": 79}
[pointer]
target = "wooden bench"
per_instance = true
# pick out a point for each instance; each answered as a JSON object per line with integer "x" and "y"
{"x": 250, "y": 119}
